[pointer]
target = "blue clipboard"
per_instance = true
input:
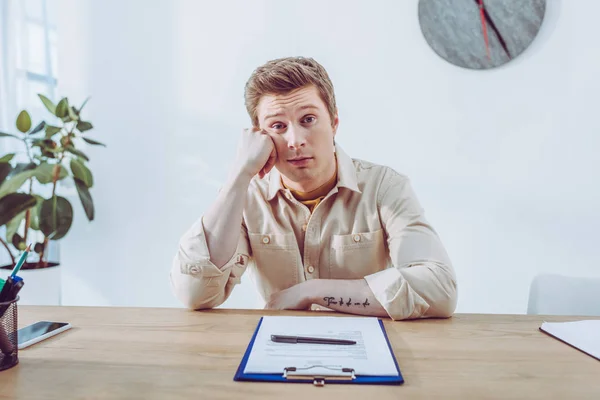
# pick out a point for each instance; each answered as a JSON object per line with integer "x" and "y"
{"x": 349, "y": 378}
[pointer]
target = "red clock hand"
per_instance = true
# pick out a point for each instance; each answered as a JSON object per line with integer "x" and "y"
{"x": 484, "y": 28}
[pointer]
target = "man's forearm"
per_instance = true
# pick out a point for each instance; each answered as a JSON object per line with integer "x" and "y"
{"x": 223, "y": 220}
{"x": 348, "y": 296}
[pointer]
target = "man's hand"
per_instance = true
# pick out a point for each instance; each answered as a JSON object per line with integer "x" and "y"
{"x": 256, "y": 153}
{"x": 294, "y": 298}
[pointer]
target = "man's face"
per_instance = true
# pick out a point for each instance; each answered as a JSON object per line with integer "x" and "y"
{"x": 302, "y": 130}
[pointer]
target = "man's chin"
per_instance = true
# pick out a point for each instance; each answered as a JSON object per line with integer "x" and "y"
{"x": 300, "y": 176}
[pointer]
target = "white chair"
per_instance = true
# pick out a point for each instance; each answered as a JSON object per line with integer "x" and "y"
{"x": 551, "y": 294}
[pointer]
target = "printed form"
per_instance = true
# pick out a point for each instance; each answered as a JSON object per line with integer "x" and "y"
{"x": 369, "y": 356}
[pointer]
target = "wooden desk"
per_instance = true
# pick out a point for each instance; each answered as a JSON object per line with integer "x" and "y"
{"x": 143, "y": 353}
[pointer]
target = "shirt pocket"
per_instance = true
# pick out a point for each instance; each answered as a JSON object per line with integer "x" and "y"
{"x": 276, "y": 260}
{"x": 357, "y": 255}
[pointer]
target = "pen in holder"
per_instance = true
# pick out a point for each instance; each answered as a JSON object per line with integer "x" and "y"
{"x": 8, "y": 334}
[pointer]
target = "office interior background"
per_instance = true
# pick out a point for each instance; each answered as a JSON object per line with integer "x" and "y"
{"x": 503, "y": 160}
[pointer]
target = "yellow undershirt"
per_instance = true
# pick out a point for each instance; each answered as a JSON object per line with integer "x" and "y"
{"x": 313, "y": 198}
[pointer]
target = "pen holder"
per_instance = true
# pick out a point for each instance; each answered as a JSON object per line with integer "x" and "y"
{"x": 8, "y": 334}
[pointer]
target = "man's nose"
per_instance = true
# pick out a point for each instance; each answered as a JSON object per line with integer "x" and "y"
{"x": 296, "y": 137}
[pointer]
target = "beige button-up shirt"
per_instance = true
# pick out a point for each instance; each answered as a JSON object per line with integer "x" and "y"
{"x": 369, "y": 226}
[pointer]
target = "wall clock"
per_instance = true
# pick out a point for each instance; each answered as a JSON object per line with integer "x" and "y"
{"x": 480, "y": 34}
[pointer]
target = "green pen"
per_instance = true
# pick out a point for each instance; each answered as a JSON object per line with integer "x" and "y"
{"x": 20, "y": 262}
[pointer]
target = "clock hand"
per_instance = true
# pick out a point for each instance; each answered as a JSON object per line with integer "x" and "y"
{"x": 484, "y": 28}
{"x": 484, "y": 12}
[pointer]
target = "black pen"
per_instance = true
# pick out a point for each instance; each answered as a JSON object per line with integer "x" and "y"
{"x": 15, "y": 289}
{"x": 309, "y": 340}
{"x": 5, "y": 292}
{"x": 5, "y": 295}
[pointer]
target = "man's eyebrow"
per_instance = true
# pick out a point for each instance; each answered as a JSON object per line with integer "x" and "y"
{"x": 309, "y": 106}
{"x": 279, "y": 113}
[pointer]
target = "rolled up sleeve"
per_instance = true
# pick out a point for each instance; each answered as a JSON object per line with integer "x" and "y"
{"x": 195, "y": 280}
{"x": 422, "y": 281}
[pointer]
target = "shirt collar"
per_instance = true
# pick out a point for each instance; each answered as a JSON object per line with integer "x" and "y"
{"x": 346, "y": 175}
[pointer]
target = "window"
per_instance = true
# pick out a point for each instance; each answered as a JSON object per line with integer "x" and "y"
{"x": 37, "y": 57}
{"x": 28, "y": 60}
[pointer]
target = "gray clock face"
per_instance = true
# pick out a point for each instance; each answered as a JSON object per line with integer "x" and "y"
{"x": 454, "y": 29}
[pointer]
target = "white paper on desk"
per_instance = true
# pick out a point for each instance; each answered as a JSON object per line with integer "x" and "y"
{"x": 369, "y": 356}
{"x": 584, "y": 335}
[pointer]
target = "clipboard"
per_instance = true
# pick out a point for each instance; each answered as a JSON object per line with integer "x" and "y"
{"x": 292, "y": 374}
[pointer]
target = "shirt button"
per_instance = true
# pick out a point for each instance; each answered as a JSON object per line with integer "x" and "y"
{"x": 356, "y": 238}
{"x": 266, "y": 240}
{"x": 310, "y": 269}
{"x": 304, "y": 227}
{"x": 194, "y": 269}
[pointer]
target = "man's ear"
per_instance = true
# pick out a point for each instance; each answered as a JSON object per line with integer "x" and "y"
{"x": 336, "y": 122}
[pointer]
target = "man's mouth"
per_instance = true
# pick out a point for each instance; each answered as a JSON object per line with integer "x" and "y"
{"x": 300, "y": 161}
{"x": 299, "y": 158}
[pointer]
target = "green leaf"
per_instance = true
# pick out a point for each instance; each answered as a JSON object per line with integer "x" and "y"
{"x": 81, "y": 172}
{"x": 38, "y": 128}
{"x": 13, "y": 225}
{"x": 62, "y": 108}
{"x": 52, "y": 130}
{"x": 86, "y": 199}
{"x": 72, "y": 115}
{"x": 83, "y": 105}
{"x": 83, "y": 126}
{"x": 6, "y": 159}
{"x": 45, "y": 172}
{"x": 2, "y": 134}
{"x": 5, "y": 169}
{"x": 38, "y": 248}
{"x": 47, "y": 145}
{"x": 13, "y": 204}
{"x": 47, "y": 154}
{"x": 56, "y": 217}
{"x": 34, "y": 222}
{"x": 24, "y": 121}
{"x": 92, "y": 141}
{"x": 14, "y": 183}
{"x": 48, "y": 103}
{"x": 78, "y": 153}
{"x": 18, "y": 242}
{"x": 65, "y": 141}
{"x": 20, "y": 167}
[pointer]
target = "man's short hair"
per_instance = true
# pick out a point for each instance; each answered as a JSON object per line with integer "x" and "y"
{"x": 281, "y": 76}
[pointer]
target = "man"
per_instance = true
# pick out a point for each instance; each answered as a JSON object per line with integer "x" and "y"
{"x": 317, "y": 229}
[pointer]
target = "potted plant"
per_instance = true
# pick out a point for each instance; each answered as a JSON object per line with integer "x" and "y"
{"x": 30, "y": 206}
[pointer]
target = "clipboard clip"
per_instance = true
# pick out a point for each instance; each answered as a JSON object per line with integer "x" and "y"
{"x": 333, "y": 372}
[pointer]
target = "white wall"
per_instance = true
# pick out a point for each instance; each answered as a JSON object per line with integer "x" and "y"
{"x": 503, "y": 160}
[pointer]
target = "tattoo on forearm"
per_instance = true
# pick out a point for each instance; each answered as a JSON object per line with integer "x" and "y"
{"x": 332, "y": 300}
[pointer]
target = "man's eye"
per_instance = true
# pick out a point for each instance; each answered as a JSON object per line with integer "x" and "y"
{"x": 277, "y": 126}
{"x": 309, "y": 119}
